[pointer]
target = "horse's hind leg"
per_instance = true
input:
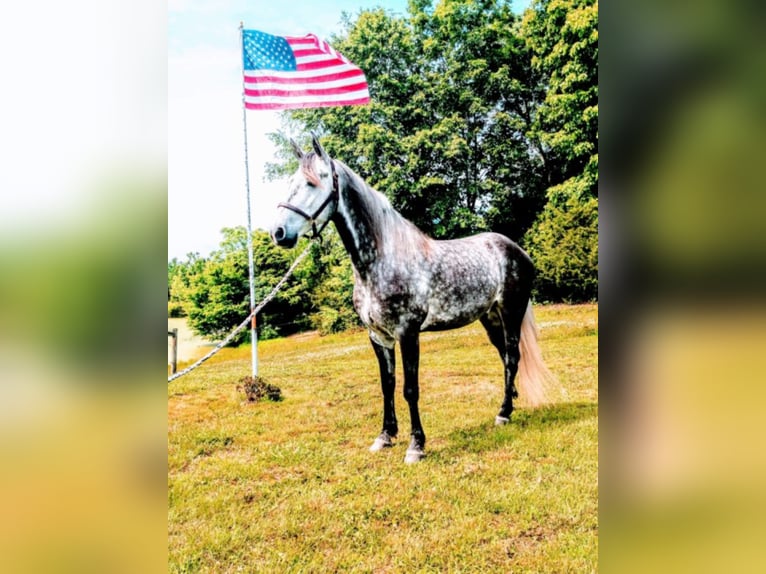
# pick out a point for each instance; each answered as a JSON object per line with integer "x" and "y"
{"x": 504, "y": 328}
{"x": 387, "y": 363}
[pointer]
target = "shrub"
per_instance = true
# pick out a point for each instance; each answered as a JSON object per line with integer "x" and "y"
{"x": 175, "y": 310}
{"x": 563, "y": 244}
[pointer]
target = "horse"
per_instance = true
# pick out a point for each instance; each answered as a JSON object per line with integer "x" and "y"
{"x": 406, "y": 282}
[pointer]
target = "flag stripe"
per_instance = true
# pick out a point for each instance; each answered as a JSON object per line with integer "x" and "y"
{"x": 300, "y": 90}
{"x": 310, "y": 51}
{"x": 307, "y": 72}
{"x": 300, "y": 97}
{"x": 318, "y": 89}
{"x": 316, "y": 65}
{"x": 297, "y": 78}
{"x": 293, "y": 104}
{"x": 315, "y": 60}
{"x": 303, "y": 75}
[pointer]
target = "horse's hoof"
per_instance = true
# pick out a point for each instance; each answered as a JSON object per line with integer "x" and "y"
{"x": 380, "y": 443}
{"x": 500, "y": 421}
{"x": 414, "y": 456}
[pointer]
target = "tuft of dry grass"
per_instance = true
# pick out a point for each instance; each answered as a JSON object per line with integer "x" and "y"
{"x": 290, "y": 486}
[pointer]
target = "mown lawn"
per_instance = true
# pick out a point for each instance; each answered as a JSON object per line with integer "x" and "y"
{"x": 291, "y": 487}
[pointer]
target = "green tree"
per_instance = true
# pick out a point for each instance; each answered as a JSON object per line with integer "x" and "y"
{"x": 179, "y": 280}
{"x": 562, "y": 36}
{"x": 333, "y": 291}
{"x": 218, "y": 294}
{"x": 217, "y": 297}
{"x": 289, "y": 311}
{"x": 478, "y": 120}
{"x": 564, "y": 246}
{"x": 446, "y": 135}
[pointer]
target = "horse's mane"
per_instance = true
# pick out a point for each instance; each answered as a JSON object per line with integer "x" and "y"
{"x": 388, "y": 226}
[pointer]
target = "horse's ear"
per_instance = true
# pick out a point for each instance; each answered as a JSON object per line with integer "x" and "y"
{"x": 318, "y": 148}
{"x": 296, "y": 149}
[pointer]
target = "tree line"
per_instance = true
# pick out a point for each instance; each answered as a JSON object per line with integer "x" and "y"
{"x": 480, "y": 119}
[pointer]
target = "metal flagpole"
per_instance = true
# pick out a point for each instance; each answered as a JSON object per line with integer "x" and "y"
{"x": 253, "y": 328}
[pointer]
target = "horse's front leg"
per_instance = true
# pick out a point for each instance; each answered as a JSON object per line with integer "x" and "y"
{"x": 387, "y": 363}
{"x": 410, "y": 345}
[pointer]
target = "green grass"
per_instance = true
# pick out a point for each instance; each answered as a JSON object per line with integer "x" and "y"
{"x": 289, "y": 486}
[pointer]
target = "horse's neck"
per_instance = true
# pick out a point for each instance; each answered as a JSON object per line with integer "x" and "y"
{"x": 362, "y": 222}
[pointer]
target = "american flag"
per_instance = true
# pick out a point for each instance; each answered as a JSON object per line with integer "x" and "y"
{"x": 298, "y": 72}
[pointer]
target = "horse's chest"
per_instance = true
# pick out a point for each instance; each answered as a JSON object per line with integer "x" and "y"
{"x": 362, "y": 303}
{"x": 389, "y": 302}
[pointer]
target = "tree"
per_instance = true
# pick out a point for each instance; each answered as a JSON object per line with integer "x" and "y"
{"x": 179, "y": 278}
{"x": 217, "y": 297}
{"x": 564, "y": 246}
{"x": 332, "y": 295}
{"x": 478, "y": 120}
{"x": 218, "y": 294}
{"x": 562, "y": 36}
{"x": 446, "y": 135}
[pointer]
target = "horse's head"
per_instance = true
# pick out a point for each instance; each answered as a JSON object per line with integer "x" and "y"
{"x": 312, "y": 197}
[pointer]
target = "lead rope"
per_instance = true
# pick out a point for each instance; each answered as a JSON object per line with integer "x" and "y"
{"x": 244, "y": 323}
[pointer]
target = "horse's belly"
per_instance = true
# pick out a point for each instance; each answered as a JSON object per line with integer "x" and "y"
{"x": 447, "y": 324}
{"x": 465, "y": 283}
{"x": 443, "y": 315}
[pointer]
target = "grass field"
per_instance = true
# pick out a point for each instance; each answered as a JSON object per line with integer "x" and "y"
{"x": 290, "y": 486}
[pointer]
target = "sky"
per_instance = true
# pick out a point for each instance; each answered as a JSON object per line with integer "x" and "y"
{"x": 206, "y": 158}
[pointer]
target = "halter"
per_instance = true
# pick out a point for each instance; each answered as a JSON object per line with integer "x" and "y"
{"x": 312, "y": 218}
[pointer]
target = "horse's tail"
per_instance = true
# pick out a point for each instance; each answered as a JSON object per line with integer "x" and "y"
{"x": 535, "y": 380}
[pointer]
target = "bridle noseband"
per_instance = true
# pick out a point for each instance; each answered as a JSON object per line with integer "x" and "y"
{"x": 312, "y": 218}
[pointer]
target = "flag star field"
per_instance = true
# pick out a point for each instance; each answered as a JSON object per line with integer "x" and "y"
{"x": 267, "y": 52}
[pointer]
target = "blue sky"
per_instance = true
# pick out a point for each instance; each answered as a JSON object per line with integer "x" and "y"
{"x": 206, "y": 174}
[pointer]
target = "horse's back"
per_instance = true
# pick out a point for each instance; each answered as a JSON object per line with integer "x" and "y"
{"x": 488, "y": 249}
{"x": 469, "y": 276}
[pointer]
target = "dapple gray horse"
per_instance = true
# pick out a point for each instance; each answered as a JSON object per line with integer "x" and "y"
{"x": 406, "y": 282}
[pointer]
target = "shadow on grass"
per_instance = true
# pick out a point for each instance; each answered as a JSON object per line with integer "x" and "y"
{"x": 487, "y": 436}
{"x": 559, "y": 413}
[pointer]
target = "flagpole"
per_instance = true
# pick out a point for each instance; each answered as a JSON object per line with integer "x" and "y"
{"x": 251, "y": 267}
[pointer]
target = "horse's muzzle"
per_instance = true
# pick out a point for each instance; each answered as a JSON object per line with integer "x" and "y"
{"x": 281, "y": 238}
